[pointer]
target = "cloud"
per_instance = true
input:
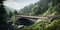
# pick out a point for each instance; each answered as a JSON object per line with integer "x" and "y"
{"x": 18, "y": 4}
{"x": 12, "y": 4}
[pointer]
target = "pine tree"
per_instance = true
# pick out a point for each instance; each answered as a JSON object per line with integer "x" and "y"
{"x": 15, "y": 12}
{"x": 3, "y": 24}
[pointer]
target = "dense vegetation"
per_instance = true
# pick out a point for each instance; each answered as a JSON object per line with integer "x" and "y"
{"x": 3, "y": 24}
{"x": 44, "y": 8}
{"x": 40, "y": 8}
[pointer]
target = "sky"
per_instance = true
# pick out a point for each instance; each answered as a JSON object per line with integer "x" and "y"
{"x": 18, "y": 4}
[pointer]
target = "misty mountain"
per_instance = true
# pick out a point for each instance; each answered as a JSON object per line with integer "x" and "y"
{"x": 8, "y": 9}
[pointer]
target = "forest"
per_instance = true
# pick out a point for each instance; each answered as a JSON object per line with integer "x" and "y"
{"x": 48, "y": 8}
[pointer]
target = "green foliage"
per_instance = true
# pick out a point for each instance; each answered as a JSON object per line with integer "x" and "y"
{"x": 26, "y": 10}
{"x": 10, "y": 14}
{"x": 50, "y": 4}
{"x": 48, "y": 12}
{"x": 58, "y": 1}
{"x": 57, "y": 8}
{"x": 3, "y": 16}
{"x": 53, "y": 9}
{"x": 41, "y": 7}
{"x": 15, "y": 12}
{"x": 55, "y": 25}
{"x": 13, "y": 19}
{"x": 35, "y": 9}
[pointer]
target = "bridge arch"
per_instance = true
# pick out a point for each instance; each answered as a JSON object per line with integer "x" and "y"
{"x": 24, "y": 21}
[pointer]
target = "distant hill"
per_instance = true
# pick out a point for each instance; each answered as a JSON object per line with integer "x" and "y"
{"x": 8, "y": 9}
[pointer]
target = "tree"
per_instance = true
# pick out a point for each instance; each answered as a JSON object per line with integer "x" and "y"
{"x": 3, "y": 24}
{"x": 58, "y": 1}
{"x": 15, "y": 12}
{"x": 36, "y": 10}
{"x": 26, "y": 10}
{"x": 10, "y": 14}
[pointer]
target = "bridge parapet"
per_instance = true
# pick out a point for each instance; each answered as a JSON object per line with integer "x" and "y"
{"x": 37, "y": 17}
{"x": 32, "y": 17}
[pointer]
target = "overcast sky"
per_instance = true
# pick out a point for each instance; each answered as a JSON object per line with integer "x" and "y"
{"x": 18, "y": 4}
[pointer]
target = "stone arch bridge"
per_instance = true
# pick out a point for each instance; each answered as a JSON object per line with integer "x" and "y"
{"x": 36, "y": 18}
